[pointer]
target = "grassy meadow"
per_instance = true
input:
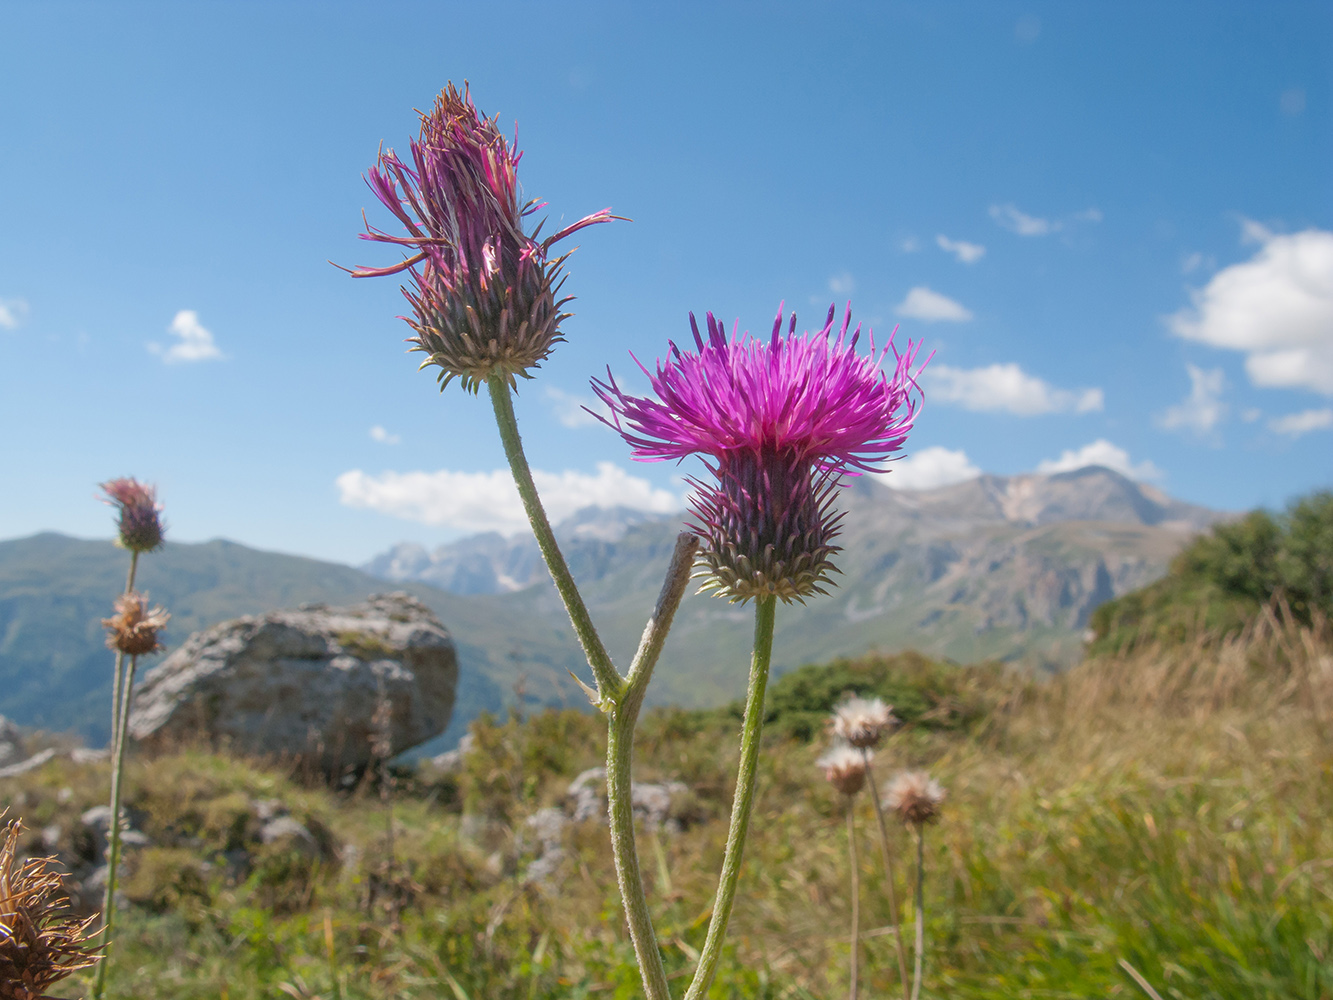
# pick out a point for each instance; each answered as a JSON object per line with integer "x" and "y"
{"x": 1163, "y": 814}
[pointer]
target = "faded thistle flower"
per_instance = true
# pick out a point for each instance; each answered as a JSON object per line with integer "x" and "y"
{"x": 483, "y": 292}
{"x": 915, "y": 796}
{"x": 779, "y": 423}
{"x": 862, "y": 722}
{"x": 38, "y": 946}
{"x": 140, "y": 523}
{"x": 844, "y": 769}
{"x": 133, "y": 628}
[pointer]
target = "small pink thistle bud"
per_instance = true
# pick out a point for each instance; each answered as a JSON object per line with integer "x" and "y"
{"x": 484, "y": 293}
{"x": 915, "y": 796}
{"x": 779, "y": 424}
{"x": 139, "y": 527}
{"x": 862, "y": 722}
{"x": 844, "y": 769}
{"x": 133, "y": 628}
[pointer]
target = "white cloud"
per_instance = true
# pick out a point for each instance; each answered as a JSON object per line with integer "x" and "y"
{"x": 842, "y": 284}
{"x": 928, "y": 468}
{"x": 922, "y": 303}
{"x": 1296, "y": 424}
{"x": 909, "y": 244}
{"x": 488, "y": 501}
{"x": 1251, "y": 414}
{"x": 1006, "y": 388}
{"x": 1203, "y": 409}
{"x": 12, "y": 313}
{"x": 1009, "y": 217}
{"x": 1100, "y": 452}
{"x": 1277, "y": 308}
{"x": 569, "y": 408}
{"x": 378, "y": 433}
{"x": 967, "y": 253}
{"x": 196, "y": 342}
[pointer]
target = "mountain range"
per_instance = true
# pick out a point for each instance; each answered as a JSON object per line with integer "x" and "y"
{"x": 996, "y": 567}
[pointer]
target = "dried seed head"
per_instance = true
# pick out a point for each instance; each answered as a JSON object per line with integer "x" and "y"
{"x": 38, "y": 946}
{"x": 133, "y": 628}
{"x": 862, "y": 722}
{"x": 139, "y": 527}
{"x": 844, "y": 769}
{"x": 915, "y": 796}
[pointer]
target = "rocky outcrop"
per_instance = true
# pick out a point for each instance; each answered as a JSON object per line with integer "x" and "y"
{"x": 317, "y": 685}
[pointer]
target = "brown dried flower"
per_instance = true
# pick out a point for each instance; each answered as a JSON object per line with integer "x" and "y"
{"x": 862, "y": 722}
{"x": 844, "y": 769}
{"x": 133, "y": 628}
{"x": 915, "y": 796}
{"x": 38, "y": 946}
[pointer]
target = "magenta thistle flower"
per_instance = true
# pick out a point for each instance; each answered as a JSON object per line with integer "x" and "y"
{"x": 779, "y": 424}
{"x": 139, "y": 526}
{"x": 484, "y": 293}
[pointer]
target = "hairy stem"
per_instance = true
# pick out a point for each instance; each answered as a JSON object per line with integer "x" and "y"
{"x": 740, "y": 807}
{"x": 856, "y": 895}
{"x": 113, "y": 830}
{"x": 609, "y": 682}
{"x": 118, "y": 683}
{"x": 619, "y": 769}
{"x": 920, "y": 915}
{"x": 888, "y": 875}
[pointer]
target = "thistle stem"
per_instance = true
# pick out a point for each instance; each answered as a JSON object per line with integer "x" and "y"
{"x": 856, "y": 895}
{"x": 609, "y": 682}
{"x": 118, "y": 683}
{"x": 622, "y": 717}
{"x": 920, "y": 916}
{"x": 740, "y": 807}
{"x": 888, "y": 875}
{"x": 113, "y": 829}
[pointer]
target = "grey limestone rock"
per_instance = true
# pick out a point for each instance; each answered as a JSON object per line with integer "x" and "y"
{"x": 305, "y": 685}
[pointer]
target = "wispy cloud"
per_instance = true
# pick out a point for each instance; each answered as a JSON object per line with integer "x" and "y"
{"x": 1203, "y": 409}
{"x": 929, "y": 468}
{"x": 1296, "y": 424}
{"x": 842, "y": 284}
{"x": 1276, "y": 308}
{"x": 1010, "y": 218}
{"x": 1104, "y": 453}
{"x": 967, "y": 253}
{"x": 378, "y": 433}
{"x": 569, "y": 408}
{"x": 1006, "y": 388}
{"x": 12, "y": 313}
{"x": 922, "y": 303}
{"x": 488, "y": 501}
{"x": 195, "y": 344}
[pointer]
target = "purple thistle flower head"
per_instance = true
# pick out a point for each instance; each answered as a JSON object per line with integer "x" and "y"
{"x": 483, "y": 292}
{"x": 139, "y": 526}
{"x": 779, "y": 423}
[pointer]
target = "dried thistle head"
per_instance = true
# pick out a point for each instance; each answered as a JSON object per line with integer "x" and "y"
{"x": 915, "y": 796}
{"x": 133, "y": 628}
{"x": 139, "y": 527}
{"x": 38, "y": 946}
{"x": 862, "y": 722}
{"x": 844, "y": 769}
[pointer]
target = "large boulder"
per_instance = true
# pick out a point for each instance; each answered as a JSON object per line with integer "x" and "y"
{"x": 316, "y": 686}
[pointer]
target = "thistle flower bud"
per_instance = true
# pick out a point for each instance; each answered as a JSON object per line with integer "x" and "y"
{"x": 38, "y": 947}
{"x": 133, "y": 628}
{"x": 484, "y": 293}
{"x": 844, "y": 769}
{"x": 862, "y": 722}
{"x": 915, "y": 796}
{"x": 139, "y": 526}
{"x": 779, "y": 425}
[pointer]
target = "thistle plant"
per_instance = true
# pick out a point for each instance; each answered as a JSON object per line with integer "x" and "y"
{"x": 915, "y": 796}
{"x": 779, "y": 424}
{"x": 862, "y": 723}
{"x": 845, "y": 769}
{"x": 39, "y": 944}
{"x": 132, "y": 631}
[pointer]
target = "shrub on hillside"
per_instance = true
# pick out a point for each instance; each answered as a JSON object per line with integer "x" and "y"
{"x": 1218, "y": 583}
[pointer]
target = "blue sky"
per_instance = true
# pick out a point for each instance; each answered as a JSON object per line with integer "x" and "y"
{"x": 1113, "y": 222}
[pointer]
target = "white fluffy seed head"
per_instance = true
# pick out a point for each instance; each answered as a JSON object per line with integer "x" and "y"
{"x": 915, "y": 796}
{"x": 862, "y": 722}
{"x": 844, "y": 769}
